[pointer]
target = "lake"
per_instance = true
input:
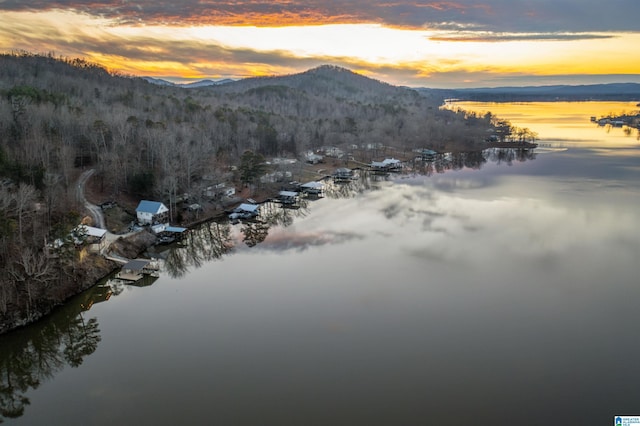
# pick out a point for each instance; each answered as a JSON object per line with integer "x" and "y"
{"x": 503, "y": 290}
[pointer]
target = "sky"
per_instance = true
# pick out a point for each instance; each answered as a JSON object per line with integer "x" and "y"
{"x": 436, "y": 44}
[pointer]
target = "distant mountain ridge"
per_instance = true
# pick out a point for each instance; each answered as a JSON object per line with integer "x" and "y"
{"x": 318, "y": 80}
{"x": 195, "y": 84}
{"x": 321, "y": 81}
{"x": 584, "y": 92}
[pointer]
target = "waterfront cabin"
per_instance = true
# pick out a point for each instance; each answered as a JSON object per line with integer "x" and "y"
{"x": 378, "y": 166}
{"x": 343, "y": 174}
{"x": 244, "y": 211}
{"x": 386, "y": 166}
{"x": 313, "y": 189}
{"x": 392, "y": 164}
{"x": 93, "y": 237}
{"x": 150, "y": 212}
{"x": 167, "y": 234}
{"x": 287, "y": 198}
{"x": 428, "y": 155}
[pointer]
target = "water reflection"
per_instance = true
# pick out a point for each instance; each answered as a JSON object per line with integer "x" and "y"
{"x": 34, "y": 355}
{"x": 474, "y": 160}
{"x": 31, "y": 356}
{"x": 213, "y": 240}
{"x": 564, "y": 123}
{"x": 205, "y": 243}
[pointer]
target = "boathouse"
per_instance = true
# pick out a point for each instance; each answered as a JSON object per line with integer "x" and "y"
{"x": 313, "y": 188}
{"x": 343, "y": 174}
{"x": 136, "y": 269}
{"x": 288, "y": 198}
{"x": 244, "y": 211}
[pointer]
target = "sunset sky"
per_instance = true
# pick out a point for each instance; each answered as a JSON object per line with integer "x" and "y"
{"x": 438, "y": 44}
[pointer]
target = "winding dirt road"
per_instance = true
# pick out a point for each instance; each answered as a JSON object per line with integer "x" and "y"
{"x": 95, "y": 211}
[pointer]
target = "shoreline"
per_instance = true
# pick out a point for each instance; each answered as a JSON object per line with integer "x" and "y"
{"x": 128, "y": 247}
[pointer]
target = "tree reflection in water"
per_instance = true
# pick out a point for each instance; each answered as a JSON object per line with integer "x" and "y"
{"x": 272, "y": 214}
{"x": 472, "y": 160}
{"x": 202, "y": 244}
{"x": 33, "y": 355}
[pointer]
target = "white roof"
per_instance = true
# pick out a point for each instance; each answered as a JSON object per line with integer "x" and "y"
{"x": 248, "y": 207}
{"x": 94, "y": 232}
{"x": 288, "y": 194}
{"x": 158, "y": 228}
{"x": 313, "y": 185}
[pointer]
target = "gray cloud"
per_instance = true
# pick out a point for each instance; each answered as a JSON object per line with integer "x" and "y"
{"x": 543, "y": 16}
{"x": 500, "y": 37}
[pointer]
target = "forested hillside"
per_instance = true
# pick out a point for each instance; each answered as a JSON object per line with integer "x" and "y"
{"x": 61, "y": 116}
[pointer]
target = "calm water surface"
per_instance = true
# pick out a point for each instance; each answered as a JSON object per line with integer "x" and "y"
{"x": 507, "y": 293}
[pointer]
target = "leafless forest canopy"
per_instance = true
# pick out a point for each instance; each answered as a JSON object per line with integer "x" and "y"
{"x": 59, "y": 116}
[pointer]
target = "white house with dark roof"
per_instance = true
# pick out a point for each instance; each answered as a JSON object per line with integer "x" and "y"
{"x": 150, "y": 212}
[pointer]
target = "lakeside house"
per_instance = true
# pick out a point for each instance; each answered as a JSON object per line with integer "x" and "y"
{"x": 386, "y": 165}
{"x": 167, "y": 233}
{"x": 313, "y": 188}
{"x": 94, "y": 238}
{"x": 244, "y": 211}
{"x": 219, "y": 190}
{"x": 288, "y": 198}
{"x": 428, "y": 155}
{"x": 151, "y": 212}
{"x": 312, "y": 158}
{"x": 343, "y": 174}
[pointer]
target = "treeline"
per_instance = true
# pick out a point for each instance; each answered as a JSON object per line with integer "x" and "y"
{"x": 59, "y": 116}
